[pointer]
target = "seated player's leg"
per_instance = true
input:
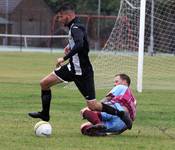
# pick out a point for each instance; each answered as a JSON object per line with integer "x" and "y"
{"x": 84, "y": 127}
{"x": 92, "y": 116}
{"x": 82, "y": 110}
{"x": 102, "y": 123}
{"x": 125, "y": 117}
{"x": 113, "y": 123}
{"x": 93, "y": 130}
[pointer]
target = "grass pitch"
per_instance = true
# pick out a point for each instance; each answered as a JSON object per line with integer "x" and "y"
{"x": 20, "y": 73}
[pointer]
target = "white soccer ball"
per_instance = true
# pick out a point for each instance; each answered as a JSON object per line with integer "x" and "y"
{"x": 43, "y": 128}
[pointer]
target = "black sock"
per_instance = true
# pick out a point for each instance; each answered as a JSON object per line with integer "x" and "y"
{"x": 46, "y": 98}
{"x": 110, "y": 110}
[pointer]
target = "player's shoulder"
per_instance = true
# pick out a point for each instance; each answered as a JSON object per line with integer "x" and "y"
{"x": 121, "y": 86}
{"x": 77, "y": 25}
{"x": 118, "y": 90}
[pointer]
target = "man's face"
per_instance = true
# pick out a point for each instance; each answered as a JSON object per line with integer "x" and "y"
{"x": 63, "y": 18}
{"x": 118, "y": 81}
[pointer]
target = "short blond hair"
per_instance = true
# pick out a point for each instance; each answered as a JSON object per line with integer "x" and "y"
{"x": 124, "y": 77}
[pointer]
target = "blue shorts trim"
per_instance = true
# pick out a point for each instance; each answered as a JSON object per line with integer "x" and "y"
{"x": 113, "y": 123}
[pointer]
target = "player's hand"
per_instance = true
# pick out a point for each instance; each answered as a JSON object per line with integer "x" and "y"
{"x": 66, "y": 50}
{"x": 59, "y": 62}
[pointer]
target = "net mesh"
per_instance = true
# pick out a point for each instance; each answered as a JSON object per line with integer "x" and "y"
{"x": 120, "y": 53}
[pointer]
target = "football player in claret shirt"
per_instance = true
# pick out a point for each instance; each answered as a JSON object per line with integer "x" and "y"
{"x": 121, "y": 98}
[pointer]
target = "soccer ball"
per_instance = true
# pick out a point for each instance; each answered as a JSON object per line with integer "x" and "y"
{"x": 43, "y": 128}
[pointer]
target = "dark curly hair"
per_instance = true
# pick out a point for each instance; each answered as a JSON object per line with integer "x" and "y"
{"x": 66, "y": 7}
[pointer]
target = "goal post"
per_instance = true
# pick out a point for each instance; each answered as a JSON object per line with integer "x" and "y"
{"x": 141, "y": 46}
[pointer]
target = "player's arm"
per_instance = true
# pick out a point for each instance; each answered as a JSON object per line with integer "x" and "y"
{"x": 61, "y": 59}
{"x": 106, "y": 99}
{"x": 67, "y": 49}
{"x": 78, "y": 37}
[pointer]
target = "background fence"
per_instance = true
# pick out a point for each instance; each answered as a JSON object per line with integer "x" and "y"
{"x": 24, "y": 17}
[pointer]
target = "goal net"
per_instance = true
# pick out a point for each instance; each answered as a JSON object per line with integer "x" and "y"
{"x": 120, "y": 53}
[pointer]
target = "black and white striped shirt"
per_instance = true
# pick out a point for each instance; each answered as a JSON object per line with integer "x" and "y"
{"x": 79, "y": 62}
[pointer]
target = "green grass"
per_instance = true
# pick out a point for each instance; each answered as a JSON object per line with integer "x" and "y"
{"x": 20, "y": 74}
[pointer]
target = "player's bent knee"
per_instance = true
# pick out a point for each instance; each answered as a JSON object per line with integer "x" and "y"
{"x": 44, "y": 84}
{"x": 84, "y": 127}
{"x": 83, "y": 110}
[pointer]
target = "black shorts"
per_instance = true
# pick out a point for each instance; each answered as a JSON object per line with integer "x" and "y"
{"x": 85, "y": 83}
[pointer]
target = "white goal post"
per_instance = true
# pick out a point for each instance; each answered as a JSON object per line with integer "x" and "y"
{"x": 141, "y": 46}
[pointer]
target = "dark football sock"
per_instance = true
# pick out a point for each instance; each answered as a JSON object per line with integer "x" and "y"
{"x": 92, "y": 117}
{"x": 110, "y": 110}
{"x": 46, "y": 98}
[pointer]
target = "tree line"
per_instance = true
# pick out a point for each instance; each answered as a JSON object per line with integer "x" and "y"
{"x": 108, "y": 7}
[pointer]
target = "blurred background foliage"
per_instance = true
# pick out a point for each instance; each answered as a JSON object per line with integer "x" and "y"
{"x": 108, "y": 7}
